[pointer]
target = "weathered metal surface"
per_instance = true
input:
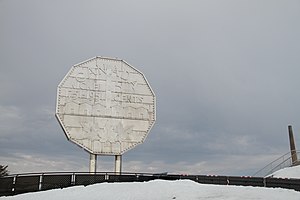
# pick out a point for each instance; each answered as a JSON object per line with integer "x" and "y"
{"x": 105, "y": 106}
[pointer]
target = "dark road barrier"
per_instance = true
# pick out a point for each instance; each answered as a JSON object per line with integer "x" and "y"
{"x": 246, "y": 181}
{"x": 55, "y": 181}
{"x": 217, "y": 180}
{"x": 6, "y": 185}
{"x": 122, "y": 178}
{"x": 283, "y": 183}
{"x": 25, "y": 184}
{"x": 88, "y": 179}
{"x": 22, "y": 183}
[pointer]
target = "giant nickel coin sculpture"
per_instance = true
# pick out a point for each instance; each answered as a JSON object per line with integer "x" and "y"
{"x": 105, "y": 106}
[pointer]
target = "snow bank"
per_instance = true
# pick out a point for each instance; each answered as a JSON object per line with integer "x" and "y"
{"x": 289, "y": 172}
{"x": 160, "y": 190}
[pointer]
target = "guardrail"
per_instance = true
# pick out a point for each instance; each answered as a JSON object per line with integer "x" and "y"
{"x": 280, "y": 163}
{"x": 33, "y": 182}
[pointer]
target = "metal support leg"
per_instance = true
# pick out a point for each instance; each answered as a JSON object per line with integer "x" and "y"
{"x": 118, "y": 164}
{"x": 93, "y": 163}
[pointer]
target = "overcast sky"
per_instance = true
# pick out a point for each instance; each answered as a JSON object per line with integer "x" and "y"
{"x": 225, "y": 74}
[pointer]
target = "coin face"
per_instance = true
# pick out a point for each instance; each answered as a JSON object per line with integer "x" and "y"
{"x": 105, "y": 106}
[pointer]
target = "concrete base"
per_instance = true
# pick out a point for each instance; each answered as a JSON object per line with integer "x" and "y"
{"x": 118, "y": 164}
{"x": 93, "y": 163}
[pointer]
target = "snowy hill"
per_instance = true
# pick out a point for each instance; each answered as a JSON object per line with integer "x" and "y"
{"x": 160, "y": 190}
{"x": 289, "y": 172}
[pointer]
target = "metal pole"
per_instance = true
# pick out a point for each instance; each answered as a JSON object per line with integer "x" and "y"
{"x": 292, "y": 146}
{"x": 93, "y": 163}
{"x": 118, "y": 164}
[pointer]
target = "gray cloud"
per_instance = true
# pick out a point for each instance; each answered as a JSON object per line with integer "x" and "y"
{"x": 225, "y": 74}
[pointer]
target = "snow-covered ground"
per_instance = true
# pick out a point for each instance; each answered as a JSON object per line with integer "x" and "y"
{"x": 164, "y": 190}
{"x": 289, "y": 172}
{"x": 160, "y": 190}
